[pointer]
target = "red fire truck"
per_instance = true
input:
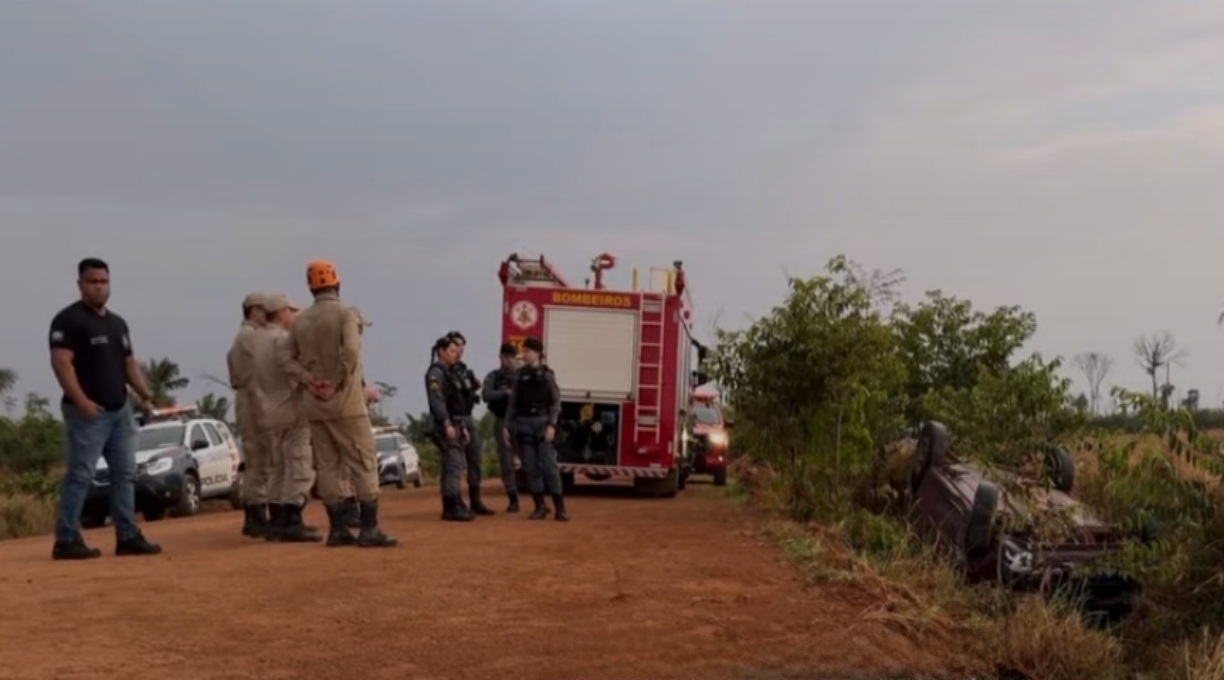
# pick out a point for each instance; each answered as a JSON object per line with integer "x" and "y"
{"x": 625, "y": 362}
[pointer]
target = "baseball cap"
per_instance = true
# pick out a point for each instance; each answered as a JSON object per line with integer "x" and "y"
{"x": 275, "y": 303}
{"x": 509, "y": 350}
{"x": 254, "y": 300}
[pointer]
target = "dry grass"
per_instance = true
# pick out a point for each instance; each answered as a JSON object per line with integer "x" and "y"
{"x": 23, "y": 515}
{"x": 1203, "y": 660}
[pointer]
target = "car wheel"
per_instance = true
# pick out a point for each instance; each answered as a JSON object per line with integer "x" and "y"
{"x": 154, "y": 513}
{"x": 977, "y": 537}
{"x": 93, "y": 520}
{"x": 189, "y": 497}
{"x": 418, "y": 480}
{"x": 720, "y": 478}
{"x": 1009, "y": 559}
{"x": 402, "y": 482}
{"x": 931, "y": 451}
{"x": 1061, "y": 469}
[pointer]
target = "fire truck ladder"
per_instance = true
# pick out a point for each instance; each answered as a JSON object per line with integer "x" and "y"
{"x": 534, "y": 271}
{"x": 648, "y": 407}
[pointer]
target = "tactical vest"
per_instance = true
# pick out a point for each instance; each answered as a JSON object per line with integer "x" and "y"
{"x": 459, "y": 400}
{"x": 501, "y": 380}
{"x": 531, "y": 393}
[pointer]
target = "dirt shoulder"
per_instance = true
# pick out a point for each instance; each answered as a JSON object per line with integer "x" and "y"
{"x": 632, "y": 588}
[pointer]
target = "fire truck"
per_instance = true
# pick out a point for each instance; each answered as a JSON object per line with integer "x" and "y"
{"x": 625, "y": 362}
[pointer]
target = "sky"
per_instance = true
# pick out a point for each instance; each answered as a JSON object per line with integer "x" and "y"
{"x": 1065, "y": 157}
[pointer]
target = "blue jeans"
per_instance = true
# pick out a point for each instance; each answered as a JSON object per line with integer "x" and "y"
{"x": 110, "y": 435}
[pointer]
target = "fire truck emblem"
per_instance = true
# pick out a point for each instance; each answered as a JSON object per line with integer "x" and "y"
{"x": 524, "y": 314}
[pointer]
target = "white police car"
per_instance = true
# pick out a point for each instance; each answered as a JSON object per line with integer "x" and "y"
{"x": 398, "y": 462}
{"x": 181, "y": 460}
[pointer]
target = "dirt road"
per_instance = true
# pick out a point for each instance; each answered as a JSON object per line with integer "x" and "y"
{"x": 630, "y": 589}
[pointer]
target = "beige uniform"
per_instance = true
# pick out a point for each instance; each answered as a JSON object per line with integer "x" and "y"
{"x": 282, "y": 424}
{"x": 325, "y": 342}
{"x": 240, "y": 361}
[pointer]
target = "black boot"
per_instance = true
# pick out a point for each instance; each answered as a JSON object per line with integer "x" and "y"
{"x": 541, "y": 510}
{"x": 455, "y": 511}
{"x": 276, "y": 522}
{"x": 514, "y": 506}
{"x": 292, "y": 529}
{"x": 337, "y": 531}
{"x": 352, "y": 516}
{"x": 371, "y": 536}
{"x": 478, "y": 506}
{"x": 256, "y": 524}
{"x": 559, "y": 504}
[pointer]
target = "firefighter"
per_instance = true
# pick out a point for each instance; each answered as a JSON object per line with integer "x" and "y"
{"x": 283, "y": 428}
{"x": 323, "y": 353}
{"x": 469, "y": 390}
{"x": 246, "y": 398}
{"x": 352, "y": 512}
{"x": 498, "y": 385}
{"x": 531, "y": 417}
{"x": 444, "y": 398}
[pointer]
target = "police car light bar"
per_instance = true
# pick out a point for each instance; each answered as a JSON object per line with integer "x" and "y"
{"x": 173, "y": 412}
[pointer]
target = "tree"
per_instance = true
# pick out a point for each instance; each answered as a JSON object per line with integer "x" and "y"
{"x": 213, "y": 406}
{"x": 164, "y": 378}
{"x": 946, "y": 344}
{"x": 1155, "y": 352}
{"x": 385, "y": 391}
{"x": 1095, "y": 366}
{"x": 816, "y": 384}
{"x": 8, "y": 380}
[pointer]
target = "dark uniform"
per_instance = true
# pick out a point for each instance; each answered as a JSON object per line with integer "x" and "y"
{"x": 445, "y": 399}
{"x": 535, "y": 406}
{"x": 496, "y": 393}
{"x": 469, "y": 390}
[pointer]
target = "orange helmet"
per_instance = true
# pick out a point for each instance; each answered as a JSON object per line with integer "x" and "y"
{"x": 321, "y": 274}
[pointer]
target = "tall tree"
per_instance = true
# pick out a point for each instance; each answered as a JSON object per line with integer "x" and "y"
{"x": 213, "y": 406}
{"x": 165, "y": 378}
{"x": 1154, "y": 352}
{"x": 1095, "y": 366}
{"x": 8, "y": 380}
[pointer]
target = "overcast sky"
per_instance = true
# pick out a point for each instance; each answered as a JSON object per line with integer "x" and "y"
{"x": 1067, "y": 157}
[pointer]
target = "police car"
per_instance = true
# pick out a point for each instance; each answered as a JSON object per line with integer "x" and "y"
{"x": 398, "y": 462}
{"x": 182, "y": 459}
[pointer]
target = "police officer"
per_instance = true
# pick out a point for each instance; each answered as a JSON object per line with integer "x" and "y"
{"x": 469, "y": 389}
{"x": 498, "y": 385}
{"x": 323, "y": 354}
{"x": 240, "y": 362}
{"x": 444, "y": 398}
{"x": 531, "y": 418}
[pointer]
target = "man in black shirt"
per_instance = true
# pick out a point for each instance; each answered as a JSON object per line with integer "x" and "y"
{"x": 468, "y": 386}
{"x": 91, "y": 352}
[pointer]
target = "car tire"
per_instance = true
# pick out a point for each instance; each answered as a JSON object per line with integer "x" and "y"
{"x": 720, "y": 478}
{"x": 402, "y": 481}
{"x": 154, "y": 514}
{"x": 189, "y": 497}
{"x": 931, "y": 451}
{"x": 93, "y": 520}
{"x": 1061, "y": 469}
{"x": 419, "y": 480}
{"x": 979, "y": 527}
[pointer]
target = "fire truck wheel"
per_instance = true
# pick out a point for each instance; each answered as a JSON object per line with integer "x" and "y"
{"x": 720, "y": 478}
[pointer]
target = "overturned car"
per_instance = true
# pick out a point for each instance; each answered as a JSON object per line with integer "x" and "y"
{"x": 1002, "y": 527}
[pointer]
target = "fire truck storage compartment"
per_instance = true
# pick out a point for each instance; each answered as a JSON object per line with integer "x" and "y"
{"x": 588, "y": 433}
{"x": 592, "y": 352}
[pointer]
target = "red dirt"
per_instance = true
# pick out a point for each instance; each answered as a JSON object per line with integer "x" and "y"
{"x": 631, "y": 588}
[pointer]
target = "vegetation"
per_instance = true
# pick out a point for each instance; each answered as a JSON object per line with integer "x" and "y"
{"x": 825, "y": 385}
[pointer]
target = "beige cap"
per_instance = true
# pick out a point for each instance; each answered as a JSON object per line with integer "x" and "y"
{"x": 255, "y": 300}
{"x": 277, "y": 302}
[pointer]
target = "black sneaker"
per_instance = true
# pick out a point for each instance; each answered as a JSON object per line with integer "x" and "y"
{"x": 74, "y": 550}
{"x": 137, "y": 545}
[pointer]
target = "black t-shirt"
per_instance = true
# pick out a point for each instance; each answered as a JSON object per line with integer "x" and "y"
{"x": 100, "y": 346}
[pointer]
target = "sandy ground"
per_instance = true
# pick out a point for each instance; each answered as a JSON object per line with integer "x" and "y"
{"x": 631, "y": 589}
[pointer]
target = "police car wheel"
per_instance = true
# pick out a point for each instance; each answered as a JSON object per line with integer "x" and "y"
{"x": 401, "y": 481}
{"x": 418, "y": 481}
{"x": 189, "y": 497}
{"x": 236, "y": 500}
